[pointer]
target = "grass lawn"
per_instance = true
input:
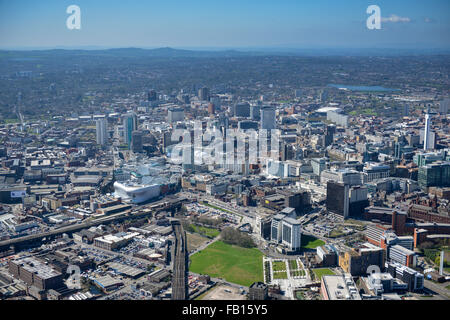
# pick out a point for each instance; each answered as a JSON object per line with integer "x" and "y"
{"x": 298, "y": 273}
{"x": 293, "y": 264}
{"x": 279, "y": 266}
{"x": 322, "y": 272}
{"x": 208, "y": 232}
{"x": 310, "y": 242}
{"x": 234, "y": 264}
{"x": 280, "y": 275}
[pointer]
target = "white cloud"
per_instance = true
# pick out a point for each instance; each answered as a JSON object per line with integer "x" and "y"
{"x": 395, "y": 19}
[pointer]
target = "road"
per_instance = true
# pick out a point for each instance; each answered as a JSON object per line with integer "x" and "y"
{"x": 437, "y": 288}
{"x": 84, "y": 225}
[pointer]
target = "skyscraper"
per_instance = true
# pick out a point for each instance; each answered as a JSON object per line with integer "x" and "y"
{"x": 101, "y": 130}
{"x": 444, "y": 105}
{"x": 211, "y": 108}
{"x": 268, "y": 118}
{"x": 129, "y": 125}
{"x": 427, "y": 134}
{"x": 338, "y": 198}
{"x": 136, "y": 141}
{"x": 203, "y": 94}
{"x": 152, "y": 95}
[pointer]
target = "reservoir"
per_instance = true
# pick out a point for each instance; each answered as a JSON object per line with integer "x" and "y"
{"x": 362, "y": 88}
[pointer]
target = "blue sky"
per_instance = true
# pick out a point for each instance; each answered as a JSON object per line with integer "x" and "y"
{"x": 225, "y": 23}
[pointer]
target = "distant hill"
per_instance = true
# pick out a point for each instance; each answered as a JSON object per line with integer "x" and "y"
{"x": 168, "y": 52}
{"x": 131, "y": 53}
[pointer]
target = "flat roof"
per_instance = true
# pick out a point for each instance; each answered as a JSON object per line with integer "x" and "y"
{"x": 340, "y": 287}
{"x": 124, "y": 269}
{"x": 38, "y": 267}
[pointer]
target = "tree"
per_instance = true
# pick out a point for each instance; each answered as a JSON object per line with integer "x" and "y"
{"x": 235, "y": 237}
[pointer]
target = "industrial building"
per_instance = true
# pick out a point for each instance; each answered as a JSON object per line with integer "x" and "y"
{"x": 111, "y": 242}
{"x": 35, "y": 272}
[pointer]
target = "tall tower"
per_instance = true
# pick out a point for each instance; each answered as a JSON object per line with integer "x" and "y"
{"x": 268, "y": 118}
{"x": 427, "y": 134}
{"x": 129, "y": 125}
{"x": 101, "y": 126}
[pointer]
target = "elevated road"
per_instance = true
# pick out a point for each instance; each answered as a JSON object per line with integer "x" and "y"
{"x": 129, "y": 214}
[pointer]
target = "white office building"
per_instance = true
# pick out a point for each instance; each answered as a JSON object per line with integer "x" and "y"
{"x": 287, "y": 231}
{"x": 291, "y": 233}
{"x": 175, "y": 115}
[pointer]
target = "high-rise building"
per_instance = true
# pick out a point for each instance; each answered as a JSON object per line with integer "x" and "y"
{"x": 427, "y": 145}
{"x": 268, "y": 118}
{"x": 175, "y": 115}
{"x": 152, "y": 95}
{"x": 358, "y": 200}
{"x": 287, "y": 231}
{"x": 211, "y": 108}
{"x": 130, "y": 124}
{"x": 291, "y": 233}
{"x": 338, "y": 198}
{"x": 242, "y": 110}
{"x": 318, "y": 165}
{"x": 434, "y": 175}
{"x": 102, "y": 132}
{"x": 444, "y": 106}
{"x": 203, "y": 94}
{"x": 405, "y": 110}
{"x": 136, "y": 141}
{"x": 329, "y": 134}
{"x": 255, "y": 112}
